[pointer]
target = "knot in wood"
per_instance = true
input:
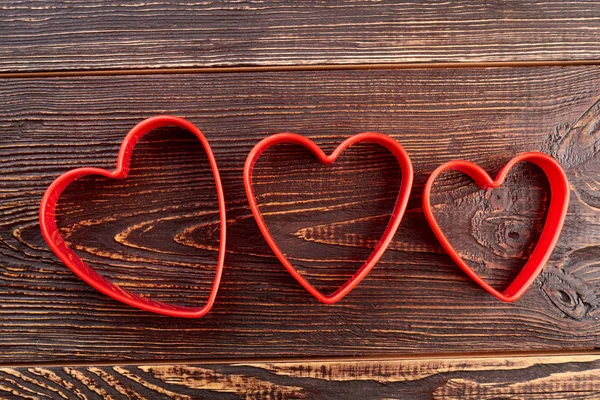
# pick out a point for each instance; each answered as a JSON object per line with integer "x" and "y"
{"x": 570, "y": 295}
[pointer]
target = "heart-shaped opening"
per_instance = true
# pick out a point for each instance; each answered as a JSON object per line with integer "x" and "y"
{"x": 326, "y": 219}
{"x": 155, "y": 232}
{"x": 496, "y": 230}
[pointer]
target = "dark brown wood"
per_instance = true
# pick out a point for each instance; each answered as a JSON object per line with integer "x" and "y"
{"x": 532, "y": 377}
{"x": 82, "y": 35}
{"x": 156, "y": 231}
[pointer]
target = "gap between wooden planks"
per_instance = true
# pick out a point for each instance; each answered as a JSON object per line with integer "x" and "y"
{"x": 565, "y": 354}
{"x": 292, "y": 68}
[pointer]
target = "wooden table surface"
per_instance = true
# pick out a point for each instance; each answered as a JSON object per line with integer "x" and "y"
{"x": 481, "y": 81}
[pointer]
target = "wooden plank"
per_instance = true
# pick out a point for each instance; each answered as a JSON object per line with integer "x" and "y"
{"x": 156, "y": 232}
{"x": 83, "y": 35}
{"x": 532, "y": 377}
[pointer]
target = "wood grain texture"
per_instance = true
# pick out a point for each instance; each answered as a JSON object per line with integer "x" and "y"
{"x": 532, "y": 377}
{"x": 156, "y": 231}
{"x": 83, "y": 35}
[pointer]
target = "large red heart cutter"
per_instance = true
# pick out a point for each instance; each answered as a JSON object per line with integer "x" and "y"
{"x": 559, "y": 202}
{"x": 405, "y": 187}
{"x": 87, "y": 273}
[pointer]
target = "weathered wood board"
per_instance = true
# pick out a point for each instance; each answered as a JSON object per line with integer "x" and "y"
{"x": 156, "y": 231}
{"x": 96, "y": 35}
{"x": 533, "y": 377}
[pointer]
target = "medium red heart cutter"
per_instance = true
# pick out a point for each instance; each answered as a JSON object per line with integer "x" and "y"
{"x": 559, "y": 202}
{"x": 87, "y": 273}
{"x": 403, "y": 194}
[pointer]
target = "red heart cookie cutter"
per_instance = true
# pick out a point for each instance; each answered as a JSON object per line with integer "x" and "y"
{"x": 87, "y": 273}
{"x": 557, "y": 211}
{"x": 403, "y": 194}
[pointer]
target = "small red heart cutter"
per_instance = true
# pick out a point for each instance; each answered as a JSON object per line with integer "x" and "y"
{"x": 557, "y": 211}
{"x": 88, "y": 274}
{"x": 403, "y": 194}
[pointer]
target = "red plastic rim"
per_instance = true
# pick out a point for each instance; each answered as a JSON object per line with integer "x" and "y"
{"x": 403, "y": 194}
{"x": 557, "y": 211}
{"x": 88, "y": 274}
